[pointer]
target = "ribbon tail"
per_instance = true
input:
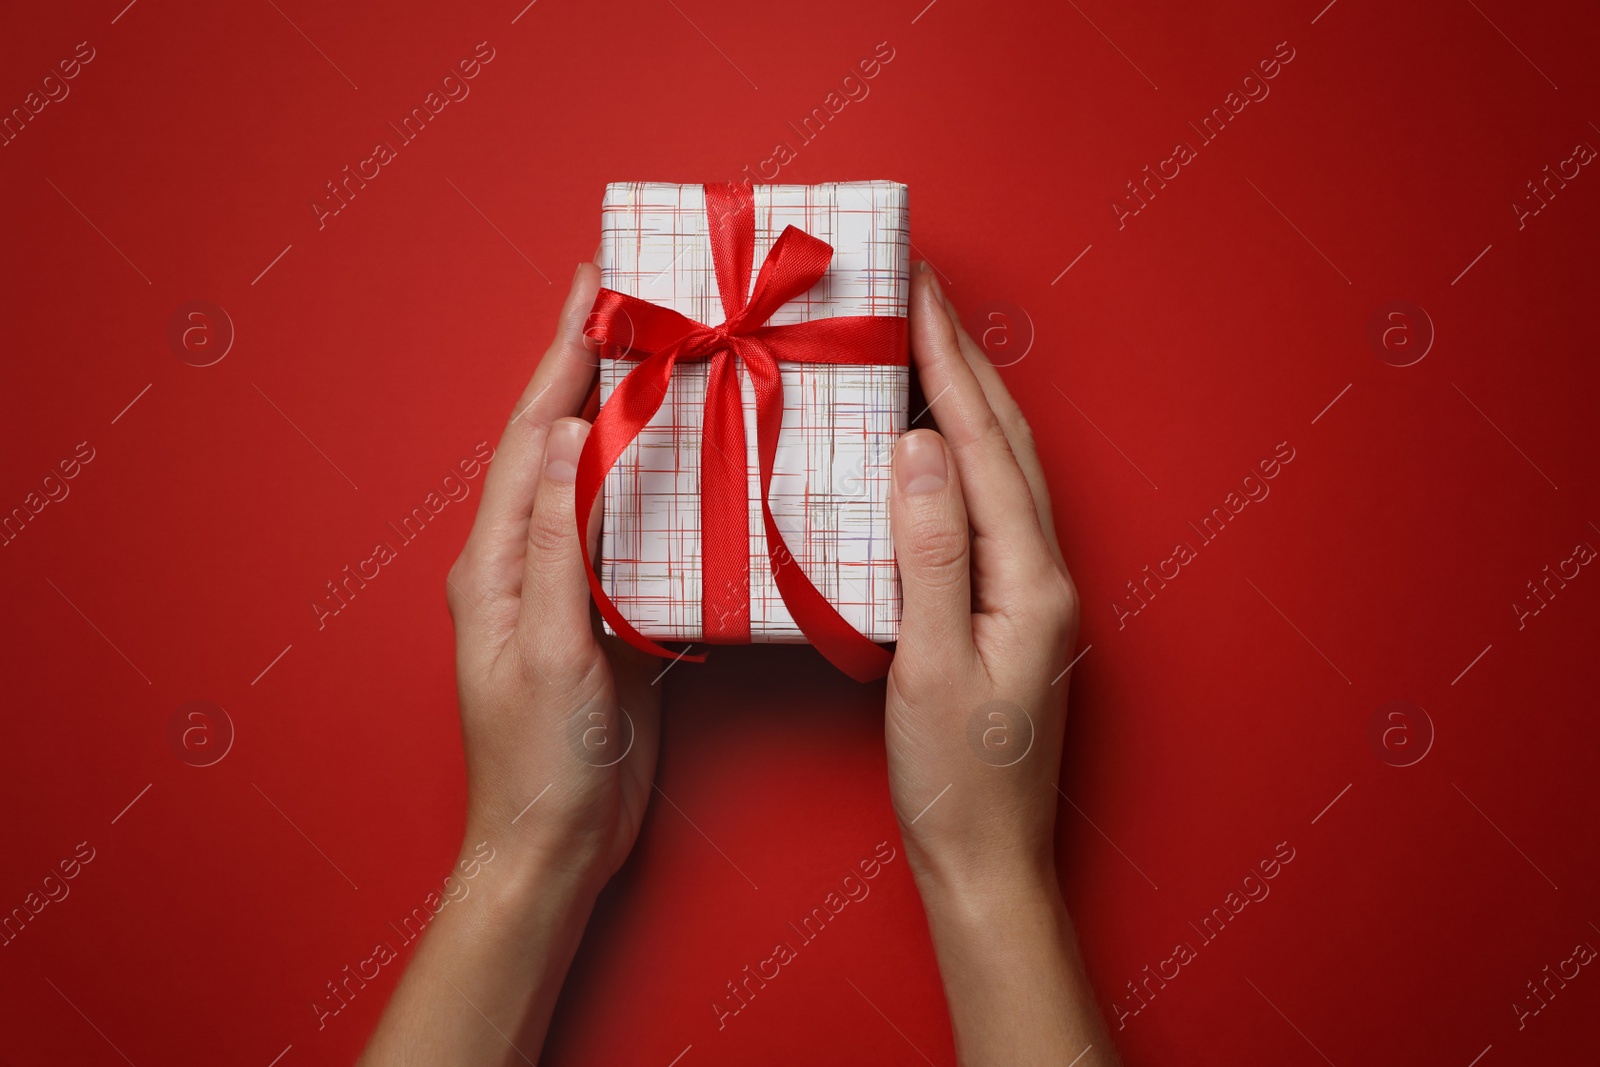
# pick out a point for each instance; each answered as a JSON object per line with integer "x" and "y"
{"x": 631, "y": 406}
{"x": 840, "y": 643}
{"x": 724, "y": 509}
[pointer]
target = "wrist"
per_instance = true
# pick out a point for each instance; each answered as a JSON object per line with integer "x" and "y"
{"x": 520, "y": 884}
{"x": 987, "y": 895}
{"x": 965, "y": 869}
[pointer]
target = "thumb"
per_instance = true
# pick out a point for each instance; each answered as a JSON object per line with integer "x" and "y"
{"x": 555, "y": 591}
{"x": 928, "y": 518}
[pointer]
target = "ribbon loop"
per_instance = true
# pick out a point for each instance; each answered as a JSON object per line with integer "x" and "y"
{"x": 796, "y": 262}
{"x": 657, "y": 339}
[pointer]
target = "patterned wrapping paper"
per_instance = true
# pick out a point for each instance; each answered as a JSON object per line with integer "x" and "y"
{"x": 830, "y": 487}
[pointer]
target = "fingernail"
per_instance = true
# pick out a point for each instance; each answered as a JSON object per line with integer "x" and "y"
{"x": 562, "y": 448}
{"x": 577, "y": 271}
{"x": 922, "y": 266}
{"x": 919, "y": 465}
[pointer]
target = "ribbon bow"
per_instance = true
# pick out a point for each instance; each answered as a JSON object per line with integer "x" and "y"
{"x": 662, "y": 338}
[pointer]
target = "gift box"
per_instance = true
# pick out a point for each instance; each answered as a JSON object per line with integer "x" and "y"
{"x": 843, "y": 406}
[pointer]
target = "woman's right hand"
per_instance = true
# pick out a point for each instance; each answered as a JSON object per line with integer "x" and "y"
{"x": 977, "y": 707}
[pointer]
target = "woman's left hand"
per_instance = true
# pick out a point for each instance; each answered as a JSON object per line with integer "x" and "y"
{"x": 559, "y": 722}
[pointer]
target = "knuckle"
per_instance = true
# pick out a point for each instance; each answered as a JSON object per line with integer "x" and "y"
{"x": 1018, "y": 432}
{"x": 550, "y": 532}
{"x": 1055, "y": 602}
{"x": 994, "y": 437}
{"x": 457, "y": 580}
{"x": 937, "y": 550}
{"x": 1070, "y": 605}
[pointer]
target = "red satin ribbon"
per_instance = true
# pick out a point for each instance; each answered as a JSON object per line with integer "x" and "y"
{"x": 658, "y": 339}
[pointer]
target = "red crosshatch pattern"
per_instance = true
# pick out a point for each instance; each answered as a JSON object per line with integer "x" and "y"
{"x": 830, "y": 483}
{"x": 1370, "y": 272}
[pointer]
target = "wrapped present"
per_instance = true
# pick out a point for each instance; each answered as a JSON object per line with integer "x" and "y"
{"x": 753, "y": 383}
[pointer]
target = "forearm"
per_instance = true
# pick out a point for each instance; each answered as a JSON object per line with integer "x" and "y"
{"x": 484, "y": 980}
{"x": 1013, "y": 976}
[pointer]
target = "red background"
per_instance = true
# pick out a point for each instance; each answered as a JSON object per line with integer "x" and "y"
{"x": 1222, "y": 319}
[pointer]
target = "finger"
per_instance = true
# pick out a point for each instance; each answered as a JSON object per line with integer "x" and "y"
{"x": 928, "y": 519}
{"x": 1019, "y": 435}
{"x": 1008, "y": 544}
{"x": 492, "y": 560}
{"x": 554, "y": 616}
